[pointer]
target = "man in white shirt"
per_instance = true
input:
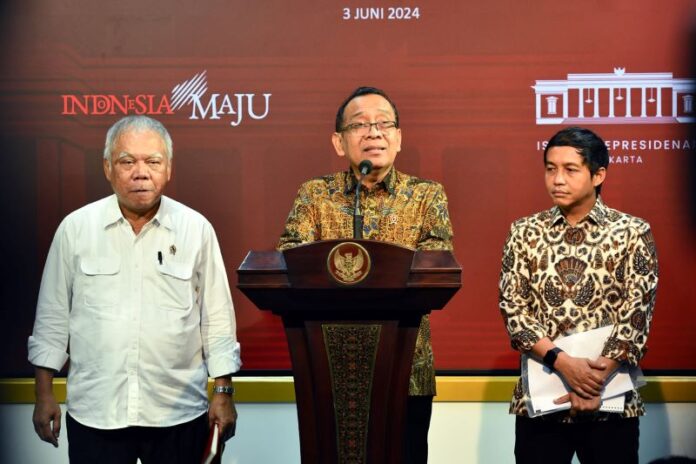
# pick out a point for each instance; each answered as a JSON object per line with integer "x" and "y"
{"x": 135, "y": 290}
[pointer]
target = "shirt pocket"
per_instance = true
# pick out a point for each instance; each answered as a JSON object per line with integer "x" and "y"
{"x": 98, "y": 282}
{"x": 175, "y": 288}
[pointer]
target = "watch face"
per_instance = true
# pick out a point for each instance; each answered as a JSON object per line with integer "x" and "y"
{"x": 550, "y": 357}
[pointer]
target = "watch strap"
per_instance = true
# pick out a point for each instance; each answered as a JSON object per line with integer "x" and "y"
{"x": 227, "y": 389}
{"x": 550, "y": 357}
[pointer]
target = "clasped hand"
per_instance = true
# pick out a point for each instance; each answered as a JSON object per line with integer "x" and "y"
{"x": 586, "y": 381}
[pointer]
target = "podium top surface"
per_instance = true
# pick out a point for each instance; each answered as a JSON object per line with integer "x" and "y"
{"x": 350, "y": 270}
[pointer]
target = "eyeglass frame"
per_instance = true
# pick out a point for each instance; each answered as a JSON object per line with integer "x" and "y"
{"x": 356, "y": 126}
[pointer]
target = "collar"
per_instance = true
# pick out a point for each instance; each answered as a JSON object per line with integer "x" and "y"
{"x": 388, "y": 183}
{"x": 598, "y": 214}
{"x": 112, "y": 213}
{"x": 163, "y": 216}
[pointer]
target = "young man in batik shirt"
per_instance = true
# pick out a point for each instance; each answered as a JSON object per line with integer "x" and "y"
{"x": 575, "y": 267}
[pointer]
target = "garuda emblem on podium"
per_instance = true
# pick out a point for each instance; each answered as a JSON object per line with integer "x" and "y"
{"x": 348, "y": 263}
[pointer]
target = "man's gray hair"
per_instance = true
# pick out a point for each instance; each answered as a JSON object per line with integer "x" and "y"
{"x": 136, "y": 123}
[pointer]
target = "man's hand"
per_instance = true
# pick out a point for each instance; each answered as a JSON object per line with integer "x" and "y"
{"x": 583, "y": 376}
{"x": 223, "y": 412}
{"x": 47, "y": 413}
{"x": 579, "y": 404}
{"x": 47, "y": 419}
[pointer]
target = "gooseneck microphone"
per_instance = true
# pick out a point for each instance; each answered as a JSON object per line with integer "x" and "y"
{"x": 365, "y": 167}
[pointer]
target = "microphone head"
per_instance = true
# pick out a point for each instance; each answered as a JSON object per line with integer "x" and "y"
{"x": 365, "y": 167}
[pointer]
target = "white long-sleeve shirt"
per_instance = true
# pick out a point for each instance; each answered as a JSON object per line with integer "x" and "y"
{"x": 145, "y": 318}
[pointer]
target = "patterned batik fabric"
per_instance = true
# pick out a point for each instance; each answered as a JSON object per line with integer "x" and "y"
{"x": 559, "y": 279}
{"x": 402, "y": 209}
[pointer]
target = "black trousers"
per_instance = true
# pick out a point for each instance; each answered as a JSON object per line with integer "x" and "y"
{"x": 419, "y": 409}
{"x": 547, "y": 441}
{"x": 179, "y": 444}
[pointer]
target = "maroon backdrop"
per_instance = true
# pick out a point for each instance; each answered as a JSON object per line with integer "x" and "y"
{"x": 249, "y": 92}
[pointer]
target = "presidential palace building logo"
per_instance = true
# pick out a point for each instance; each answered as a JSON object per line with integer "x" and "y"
{"x": 190, "y": 96}
{"x": 620, "y": 98}
{"x": 615, "y": 98}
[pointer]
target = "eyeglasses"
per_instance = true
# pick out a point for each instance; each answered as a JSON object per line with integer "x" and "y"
{"x": 364, "y": 128}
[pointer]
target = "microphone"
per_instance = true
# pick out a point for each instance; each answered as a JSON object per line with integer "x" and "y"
{"x": 365, "y": 167}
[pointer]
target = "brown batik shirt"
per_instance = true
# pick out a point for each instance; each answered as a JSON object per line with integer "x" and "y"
{"x": 559, "y": 279}
{"x": 401, "y": 209}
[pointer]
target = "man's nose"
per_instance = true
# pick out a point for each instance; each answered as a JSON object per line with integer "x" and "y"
{"x": 374, "y": 132}
{"x": 141, "y": 171}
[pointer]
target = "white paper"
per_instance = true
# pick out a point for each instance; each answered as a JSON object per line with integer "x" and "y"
{"x": 545, "y": 385}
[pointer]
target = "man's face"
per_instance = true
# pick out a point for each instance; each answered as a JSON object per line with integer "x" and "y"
{"x": 568, "y": 179}
{"x": 378, "y": 146}
{"x": 139, "y": 170}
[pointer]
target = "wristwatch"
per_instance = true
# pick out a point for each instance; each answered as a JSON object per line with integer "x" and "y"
{"x": 550, "y": 357}
{"x": 227, "y": 389}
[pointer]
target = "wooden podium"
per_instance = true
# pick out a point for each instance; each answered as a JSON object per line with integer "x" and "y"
{"x": 351, "y": 311}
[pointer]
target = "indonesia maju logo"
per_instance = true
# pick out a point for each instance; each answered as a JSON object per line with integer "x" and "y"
{"x": 191, "y": 95}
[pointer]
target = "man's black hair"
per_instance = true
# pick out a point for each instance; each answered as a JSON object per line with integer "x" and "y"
{"x": 359, "y": 92}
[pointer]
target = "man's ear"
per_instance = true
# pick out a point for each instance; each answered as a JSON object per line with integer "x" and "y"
{"x": 337, "y": 141}
{"x": 107, "y": 169}
{"x": 599, "y": 176}
{"x": 397, "y": 139}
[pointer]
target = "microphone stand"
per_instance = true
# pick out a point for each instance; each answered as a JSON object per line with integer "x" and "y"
{"x": 364, "y": 167}
{"x": 357, "y": 214}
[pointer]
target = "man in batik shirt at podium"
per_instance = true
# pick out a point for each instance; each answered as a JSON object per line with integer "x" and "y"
{"x": 396, "y": 208}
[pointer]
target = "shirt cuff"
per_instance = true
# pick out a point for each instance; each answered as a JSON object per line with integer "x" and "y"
{"x": 226, "y": 360}
{"x": 622, "y": 351}
{"x": 46, "y": 356}
{"x": 526, "y": 339}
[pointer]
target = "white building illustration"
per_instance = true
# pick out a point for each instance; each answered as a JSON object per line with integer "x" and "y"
{"x": 615, "y": 98}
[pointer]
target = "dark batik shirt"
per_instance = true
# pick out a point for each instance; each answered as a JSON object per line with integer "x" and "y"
{"x": 559, "y": 279}
{"x": 401, "y": 209}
